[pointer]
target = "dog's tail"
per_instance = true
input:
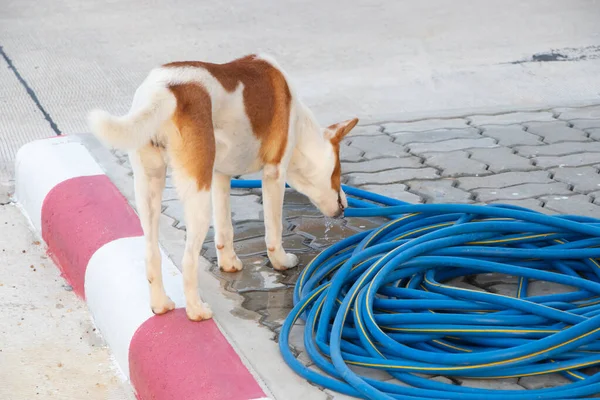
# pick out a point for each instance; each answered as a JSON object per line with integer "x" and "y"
{"x": 135, "y": 129}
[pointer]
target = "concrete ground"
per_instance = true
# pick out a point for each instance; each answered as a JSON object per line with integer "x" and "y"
{"x": 49, "y": 348}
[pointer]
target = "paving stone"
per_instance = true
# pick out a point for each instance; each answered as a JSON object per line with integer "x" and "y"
{"x": 174, "y": 209}
{"x": 246, "y": 208}
{"x": 441, "y": 191}
{"x": 272, "y": 317}
{"x": 169, "y": 180}
{"x": 304, "y": 359}
{"x": 494, "y": 278}
{"x": 578, "y": 205}
{"x": 435, "y": 136}
{"x": 352, "y": 154}
{"x": 256, "y": 275}
{"x": 378, "y": 146}
{"x": 543, "y": 381}
{"x": 571, "y": 160}
{"x": 243, "y": 208}
{"x": 461, "y": 283}
{"x": 523, "y": 191}
{"x": 511, "y": 135}
{"x": 452, "y": 145}
{"x": 323, "y": 231}
{"x": 498, "y": 384}
{"x": 501, "y": 159}
{"x": 510, "y": 118}
{"x": 366, "y": 130}
{"x": 297, "y": 198}
{"x": 542, "y": 288}
{"x": 531, "y": 204}
{"x": 594, "y": 133}
{"x": 585, "y": 124}
{"x": 292, "y": 211}
{"x": 455, "y": 163}
{"x": 425, "y": 125}
{"x": 592, "y": 112}
{"x": 260, "y": 300}
{"x": 505, "y": 289}
{"x": 256, "y": 246}
{"x": 503, "y": 180}
{"x": 558, "y": 149}
{"x": 393, "y": 176}
{"x": 296, "y": 338}
{"x": 252, "y": 229}
{"x": 382, "y": 164}
{"x": 583, "y": 179}
{"x": 557, "y": 131}
{"x": 396, "y": 191}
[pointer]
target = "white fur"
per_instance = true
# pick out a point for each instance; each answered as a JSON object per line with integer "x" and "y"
{"x": 307, "y": 165}
{"x": 196, "y": 208}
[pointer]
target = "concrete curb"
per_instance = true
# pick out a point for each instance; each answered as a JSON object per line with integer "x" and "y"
{"x": 95, "y": 238}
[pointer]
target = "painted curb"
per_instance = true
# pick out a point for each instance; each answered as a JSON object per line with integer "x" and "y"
{"x": 95, "y": 238}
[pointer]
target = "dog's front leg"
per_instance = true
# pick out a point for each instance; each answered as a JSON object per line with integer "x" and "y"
{"x": 273, "y": 191}
{"x": 227, "y": 259}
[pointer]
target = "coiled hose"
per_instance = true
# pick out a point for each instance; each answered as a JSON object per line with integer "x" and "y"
{"x": 378, "y": 300}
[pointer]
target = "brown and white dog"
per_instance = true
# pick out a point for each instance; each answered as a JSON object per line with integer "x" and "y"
{"x": 210, "y": 122}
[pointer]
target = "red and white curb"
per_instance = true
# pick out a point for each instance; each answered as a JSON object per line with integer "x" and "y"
{"x": 95, "y": 238}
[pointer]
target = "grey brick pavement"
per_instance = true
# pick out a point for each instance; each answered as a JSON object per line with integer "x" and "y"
{"x": 456, "y": 163}
{"x": 511, "y": 135}
{"x": 547, "y": 161}
{"x": 556, "y": 131}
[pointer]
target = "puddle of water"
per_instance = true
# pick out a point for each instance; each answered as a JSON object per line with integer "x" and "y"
{"x": 328, "y": 226}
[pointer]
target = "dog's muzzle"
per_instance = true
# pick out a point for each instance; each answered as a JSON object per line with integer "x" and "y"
{"x": 340, "y": 211}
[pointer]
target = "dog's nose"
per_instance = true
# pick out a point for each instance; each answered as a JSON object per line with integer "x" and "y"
{"x": 339, "y": 213}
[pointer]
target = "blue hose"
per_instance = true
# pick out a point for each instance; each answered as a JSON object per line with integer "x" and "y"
{"x": 378, "y": 300}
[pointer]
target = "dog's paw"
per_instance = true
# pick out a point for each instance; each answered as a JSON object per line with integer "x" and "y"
{"x": 233, "y": 264}
{"x": 198, "y": 311}
{"x": 162, "y": 304}
{"x": 290, "y": 261}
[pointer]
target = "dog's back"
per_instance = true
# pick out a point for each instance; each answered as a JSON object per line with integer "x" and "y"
{"x": 245, "y": 103}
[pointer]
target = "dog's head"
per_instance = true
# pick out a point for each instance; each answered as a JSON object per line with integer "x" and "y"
{"x": 317, "y": 172}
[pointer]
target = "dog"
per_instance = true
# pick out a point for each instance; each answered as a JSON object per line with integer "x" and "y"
{"x": 209, "y": 122}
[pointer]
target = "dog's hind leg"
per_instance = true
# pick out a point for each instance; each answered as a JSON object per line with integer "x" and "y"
{"x": 149, "y": 171}
{"x": 196, "y": 208}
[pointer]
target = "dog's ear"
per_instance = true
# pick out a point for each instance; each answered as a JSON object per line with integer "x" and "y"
{"x": 336, "y": 132}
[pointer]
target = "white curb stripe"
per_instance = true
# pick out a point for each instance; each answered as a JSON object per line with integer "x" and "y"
{"x": 118, "y": 314}
{"x": 34, "y": 178}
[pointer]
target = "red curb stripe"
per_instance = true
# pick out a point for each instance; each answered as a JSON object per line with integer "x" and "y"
{"x": 79, "y": 216}
{"x": 172, "y": 358}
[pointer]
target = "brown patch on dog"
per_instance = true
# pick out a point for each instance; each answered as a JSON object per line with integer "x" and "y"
{"x": 220, "y": 246}
{"x": 271, "y": 248}
{"x": 194, "y": 148}
{"x": 336, "y": 133}
{"x": 267, "y": 99}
